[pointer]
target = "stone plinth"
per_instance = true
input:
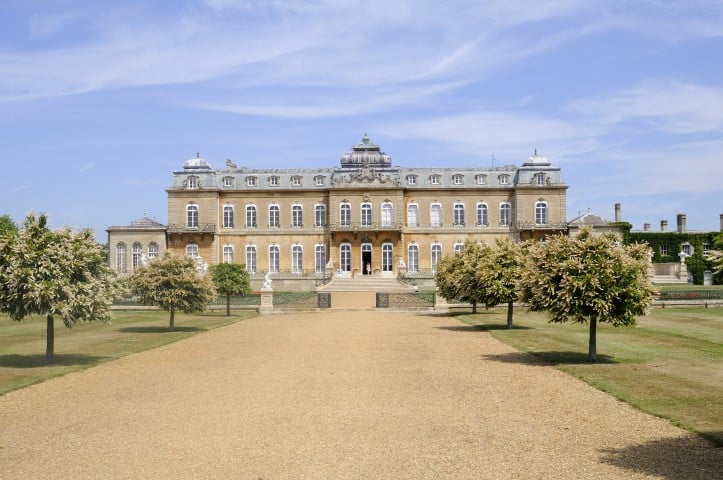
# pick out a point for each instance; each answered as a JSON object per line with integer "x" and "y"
{"x": 267, "y": 300}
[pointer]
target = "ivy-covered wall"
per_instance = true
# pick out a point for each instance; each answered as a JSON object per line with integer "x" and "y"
{"x": 673, "y": 240}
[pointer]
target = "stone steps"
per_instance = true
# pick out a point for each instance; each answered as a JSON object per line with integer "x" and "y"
{"x": 366, "y": 284}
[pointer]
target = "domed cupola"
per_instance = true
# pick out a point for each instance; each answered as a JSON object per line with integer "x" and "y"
{"x": 197, "y": 164}
{"x": 366, "y": 154}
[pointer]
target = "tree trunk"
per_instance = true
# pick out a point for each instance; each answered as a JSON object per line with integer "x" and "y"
{"x": 228, "y": 305}
{"x": 50, "y": 340}
{"x": 592, "y": 343}
{"x": 170, "y": 320}
{"x": 509, "y": 314}
{"x": 474, "y": 307}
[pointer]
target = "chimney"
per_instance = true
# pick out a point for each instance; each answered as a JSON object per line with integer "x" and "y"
{"x": 663, "y": 225}
{"x": 646, "y": 227}
{"x": 681, "y": 223}
{"x": 618, "y": 217}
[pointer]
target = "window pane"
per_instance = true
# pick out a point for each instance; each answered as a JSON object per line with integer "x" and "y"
{"x": 274, "y": 216}
{"x": 413, "y": 216}
{"x": 274, "y": 258}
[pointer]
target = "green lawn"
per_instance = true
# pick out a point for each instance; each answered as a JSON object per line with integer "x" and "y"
{"x": 670, "y": 364}
{"x": 22, "y": 344}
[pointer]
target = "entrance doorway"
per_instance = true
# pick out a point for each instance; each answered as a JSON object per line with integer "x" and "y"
{"x": 366, "y": 251}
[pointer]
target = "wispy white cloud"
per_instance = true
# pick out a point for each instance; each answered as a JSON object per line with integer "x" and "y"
{"x": 84, "y": 168}
{"x": 49, "y": 24}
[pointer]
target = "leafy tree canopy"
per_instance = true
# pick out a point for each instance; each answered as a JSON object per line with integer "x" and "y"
{"x": 7, "y": 226}
{"x": 173, "y": 283}
{"x": 498, "y": 273}
{"x": 588, "y": 278}
{"x": 456, "y": 274}
{"x": 58, "y": 273}
{"x": 230, "y": 279}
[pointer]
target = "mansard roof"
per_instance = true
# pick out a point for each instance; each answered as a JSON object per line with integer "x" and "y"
{"x": 366, "y": 154}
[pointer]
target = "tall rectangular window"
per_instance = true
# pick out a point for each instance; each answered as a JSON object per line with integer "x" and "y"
{"x": 345, "y": 214}
{"x": 366, "y": 214}
{"x": 482, "y": 214}
{"x": 320, "y": 215}
{"x": 136, "y": 255}
{"x": 459, "y": 214}
{"x": 227, "y": 216}
{"x": 274, "y": 259}
{"x": 413, "y": 258}
{"x": 192, "y": 215}
{"x": 153, "y": 250}
{"x": 505, "y": 214}
{"x": 412, "y": 215}
{"x": 251, "y": 258}
{"x": 435, "y": 215}
{"x": 250, "y": 216}
{"x": 345, "y": 257}
{"x": 273, "y": 216}
{"x": 120, "y": 257}
{"x": 319, "y": 258}
{"x": 436, "y": 255}
{"x": 296, "y": 218}
{"x": 297, "y": 265}
{"x": 227, "y": 254}
{"x": 387, "y": 214}
{"x": 541, "y": 213}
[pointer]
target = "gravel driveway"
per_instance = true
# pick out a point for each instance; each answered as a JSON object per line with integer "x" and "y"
{"x": 337, "y": 395}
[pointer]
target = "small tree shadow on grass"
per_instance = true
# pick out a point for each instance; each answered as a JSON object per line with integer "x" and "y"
{"x": 481, "y": 328}
{"x": 549, "y": 358}
{"x": 38, "y": 360}
{"x": 155, "y": 329}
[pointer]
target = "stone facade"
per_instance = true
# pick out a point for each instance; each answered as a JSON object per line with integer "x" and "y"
{"x": 366, "y": 217}
{"x": 129, "y": 246}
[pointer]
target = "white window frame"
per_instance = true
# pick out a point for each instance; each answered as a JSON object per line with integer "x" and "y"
{"x": 387, "y": 214}
{"x": 320, "y": 215}
{"x": 345, "y": 256}
{"x": 345, "y": 214}
{"x": 481, "y": 179}
{"x": 366, "y": 214}
{"x": 228, "y": 216}
{"x": 251, "y": 258}
{"x": 297, "y": 259}
{"x": 319, "y": 258}
{"x": 192, "y": 250}
{"x": 274, "y": 258}
{"x": 435, "y": 255}
{"x": 192, "y": 215}
{"x": 505, "y": 214}
{"x": 482, "y": 214}
{"x": 228, "y": 181}
{"x": 412, "y": 214}
{"x": 387, "y": 257}
{"x": 154, "y": 250}
{"x": 136, "y": 254}
{"x": 540, "y": 179}
{"x": 458, "y": 179}
{"x": 435, "y": 215}
{"x": 251, "y": 216}
{"x": 504, "y": 179}
{"x": 274, "y": 181}
{"x": 413, "y": 258}
{"x": 541, "y": 212}
{"x": 459, "y": 214}
{"x": 121, "y": 252}
{"x": 274, "y": 216}
{"x": 458, "y": 247}
{"x": 319, "y": 180}
{"x": 251, "y": 181}
{"x": 296, "y": 181}
{"x": 228, "y": 254}
{"x": 297, "y": 215}
{"x": 411, "y": 179}
{"x": 192, "y": 183}
{"x": 434, "y": 179}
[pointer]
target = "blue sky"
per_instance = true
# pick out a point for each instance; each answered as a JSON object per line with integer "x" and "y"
{"x": 101, "y": 101}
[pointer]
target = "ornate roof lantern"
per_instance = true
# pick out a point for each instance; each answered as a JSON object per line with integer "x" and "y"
{"x": 197, "y": 164}
{"x": 536, "y": 159}
{"x": 366, "y": 154}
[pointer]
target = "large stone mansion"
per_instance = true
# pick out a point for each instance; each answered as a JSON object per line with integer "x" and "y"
{"x": 364, "y": 217}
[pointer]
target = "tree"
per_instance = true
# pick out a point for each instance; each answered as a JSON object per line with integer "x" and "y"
{"x": 589, "y": 278}
{"x": 56, "y": 274}
{"x": 7, "y": 226}
{"x": 456, "y": 274}
{"x": 173, "y": 283}
{"x": 230, "y": 279}
{"x": 716, "y": 258}
{"x": 498, "y": 273}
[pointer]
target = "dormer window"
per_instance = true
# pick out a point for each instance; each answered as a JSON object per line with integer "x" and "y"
{"x": 228, "y": 181}
{"x": 250, "y": 181}
{"x": 274, "y": 181}
{"x": 504, "y": 179}
{"x": 480, "y": 179}
{"x": 296, "y": 180}
{"x": 434, "y": 179}
{"x": 458, "y": 179}
{"x": 539, "y": 179}
{"x": 411, "y": 179}
{"x": 192, "y": 182}
{"x": 319, "y": 180}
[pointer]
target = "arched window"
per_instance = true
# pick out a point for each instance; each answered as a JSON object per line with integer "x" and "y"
{"x": 482, "y": 214}
{"x": 345, "y": 256}
{"x": 505, "y": 213}
{"x": 297, "y": 264}
{"x": 136, "y": 255}
{"x": 436, "y": 255}
{"x": 366, "y": 214}
{"x": 251, "y": 216}
{"x": 435, "y": 215}
{"x": 227, "y": 254}
{"x": 251, "y": 258}
{"x": 228, "y": 216}
{"x": 153, "y": 250}
{"x": 296, "y": 216}
{"x": 319, "y": 258}
{"x": 192, "y": 250}
{"x": 320, "y": 215}
{"x": 413, "y": 258}
{"x": 192, "y": 215}
{"x": 345, "y": 214}
{"x": 541, "y": 213}
{"x": 120, "y": 257}
{"x": 412, "y": 215}
{"x": 458, "y": 247}
{"x": 459, "y": 214}
{"x": 387, "y": 214}
{"x": 274, "y": 258}
{"x": 274, "y": 216}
